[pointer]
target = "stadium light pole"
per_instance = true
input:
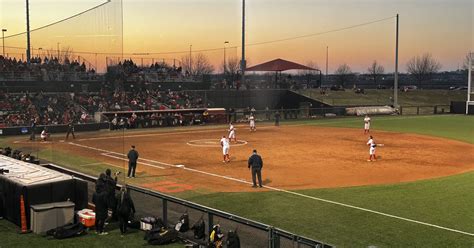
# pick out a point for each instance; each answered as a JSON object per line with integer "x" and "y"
{"x": 28, "y": 51}
{"x": 3, "y": 40}
{"x": 225, "y": 42}
{"x": 242, "y": 62}
{"x": 395, "y": 81}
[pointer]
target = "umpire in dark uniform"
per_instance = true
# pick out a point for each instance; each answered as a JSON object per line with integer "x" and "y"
{"x": 132, "y": 162}
{"x": 256, "y": 162}
{"x": 70, "y": 130}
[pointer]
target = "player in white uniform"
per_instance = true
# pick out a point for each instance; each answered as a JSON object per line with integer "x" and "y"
{"x": 232, "y": 132}
{"x": 44, "y": 135}
{"x": 225, "y": 144}
{"x": 372, "y": 146}
{"x": 252, "y": 123}
{"x": 366, "y": 124}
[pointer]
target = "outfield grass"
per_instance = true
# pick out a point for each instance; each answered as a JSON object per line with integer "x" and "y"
{"x": 382, "y": 97}
{"x": 445, "y": 201}
{"x": 457, "y": 127}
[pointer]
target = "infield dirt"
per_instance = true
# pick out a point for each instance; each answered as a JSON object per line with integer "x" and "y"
{"x": 295, "y": 157}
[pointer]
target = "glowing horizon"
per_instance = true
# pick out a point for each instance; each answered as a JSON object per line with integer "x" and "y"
{"x": 441, "y": 27}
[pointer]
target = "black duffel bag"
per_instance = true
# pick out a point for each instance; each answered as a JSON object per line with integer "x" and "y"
{"x": 163, "y": 237}
{"x": 67, "y": 231}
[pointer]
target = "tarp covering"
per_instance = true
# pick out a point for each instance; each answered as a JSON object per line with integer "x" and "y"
{"x": 278, "y": 65}
{"x": 373, "y": 110}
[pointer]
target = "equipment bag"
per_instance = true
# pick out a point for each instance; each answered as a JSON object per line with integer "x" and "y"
{"x": 183, "y": 224}
{"x": 164, "y": 237}
{"x": 233, "y": 240}
{"x": 67, "y": 231}
{"x": 199, "y": 229}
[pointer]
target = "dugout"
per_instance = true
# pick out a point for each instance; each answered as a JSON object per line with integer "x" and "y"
{"x": 37, "y": 185}
{"x": 460, "y": 108}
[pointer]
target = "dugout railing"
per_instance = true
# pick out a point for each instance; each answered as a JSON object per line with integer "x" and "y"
{"x": 169, "y": 209}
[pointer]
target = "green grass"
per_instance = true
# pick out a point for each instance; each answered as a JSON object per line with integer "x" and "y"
{"x": 382, "y": 97}
{"x": 444, "y": 201}
{"x": 9, "y": 237}
{"x": 458, "y": 127}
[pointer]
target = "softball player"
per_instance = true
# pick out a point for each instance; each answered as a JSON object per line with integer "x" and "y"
{"x": 252, "y": 123}
{"x": 225, "y": 149}
{"x": 372, "y": 146}
{"x": 232, "y": 132}
{"x": 366, "y": 124}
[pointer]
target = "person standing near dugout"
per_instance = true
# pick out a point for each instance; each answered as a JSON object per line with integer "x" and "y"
{"x": 256, "y": 164}
{"x": 70, "y": 130}
{"x": 125, "y": 209}
{"x": 132, "y": 162}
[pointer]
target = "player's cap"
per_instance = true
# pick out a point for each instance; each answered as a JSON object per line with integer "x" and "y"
{"x": 133, "y": 146}
{"x": 255, "y": 150}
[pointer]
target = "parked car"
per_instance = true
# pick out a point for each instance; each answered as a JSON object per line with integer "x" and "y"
{"x": 409, "y": 88}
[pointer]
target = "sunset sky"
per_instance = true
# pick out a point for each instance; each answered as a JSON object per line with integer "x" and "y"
{"x": 443, "y": 28}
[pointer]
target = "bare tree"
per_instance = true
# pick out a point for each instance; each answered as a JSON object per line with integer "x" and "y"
{"x": 422, "y": 68}
{"x": 233, "y": 65}
{"x": 465, "y": 64}
{"x": 375, "y": 71}
{"x": 202, "y": 65}
{"x": 343, "y": 74}
{"x": 198, "y": 65}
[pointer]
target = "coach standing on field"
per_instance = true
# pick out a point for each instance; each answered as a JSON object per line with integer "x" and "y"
{"x": 132, "y": 162}
{"x": 70, "y": 130}
{"x": 256, "y": 162}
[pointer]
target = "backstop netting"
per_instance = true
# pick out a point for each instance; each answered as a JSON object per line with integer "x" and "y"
{"x": 88, "y": 37}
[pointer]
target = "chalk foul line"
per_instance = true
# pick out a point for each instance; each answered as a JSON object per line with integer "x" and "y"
{"x": 107, "y": 153}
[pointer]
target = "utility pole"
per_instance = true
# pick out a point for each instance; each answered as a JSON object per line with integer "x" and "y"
{"x": 3, "y": 39}
{"x": 57, "y": 45}
{"x": 395, "y": 83}
{"x": 327, "y": 59}
{"x": 190, "y": 59}
{"x": 28, "y": 52}
{"x": 225, "y": 42}
{"x": 242, "y": 62}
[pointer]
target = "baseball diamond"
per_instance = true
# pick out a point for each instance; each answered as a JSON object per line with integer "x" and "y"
{"x": 321, "y": 158}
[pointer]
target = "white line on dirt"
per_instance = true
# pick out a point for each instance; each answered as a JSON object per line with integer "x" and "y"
{"x": 162, "y": 134}
{"x": 288, "y": 192}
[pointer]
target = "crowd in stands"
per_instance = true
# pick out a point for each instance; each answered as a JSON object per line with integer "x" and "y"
{"x": 40, "y": 108}
{"x": 44, "y": 69}
{"x": 131, "y": 72}
{"x": 60, "y": 108}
